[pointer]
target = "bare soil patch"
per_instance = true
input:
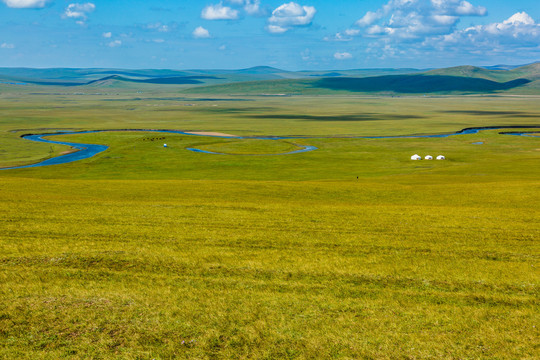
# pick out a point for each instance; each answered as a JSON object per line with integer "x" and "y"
{"x": 209, "y": 133}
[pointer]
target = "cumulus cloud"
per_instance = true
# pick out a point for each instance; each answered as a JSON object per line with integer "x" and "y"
{"x": 516, "y": 37}
{"x": 411, "y": 19}
{"x": 466, "y": 8}
{"x": 290, "y": 15}
{"x": 519, "y": 30}
{"x": 7, "y": 46}
{"x": 342, "y": 56}
{"x": 369, "y": 18}
{"x": 115, "y": 43}
{"x": 219, "y": 12}
{"x": 26, "y": 4}
{"x": 251, "y": 7}
{"x": 276, "y": 29}
{"x": 201, "y": 33}
{"x": 517, "y": 19}
{"x": 107, "y": 34}
{"x": 410, "y": 29}
{"x": 79, "y": 11}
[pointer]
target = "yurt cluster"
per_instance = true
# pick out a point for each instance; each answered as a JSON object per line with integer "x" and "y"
{"x": 427, "y": 157}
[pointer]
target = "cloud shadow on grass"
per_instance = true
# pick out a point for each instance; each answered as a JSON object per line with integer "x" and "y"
{"x": 492, "y": 113}
{"x": 417, "y": 84}
{"x": 351, "y": 117}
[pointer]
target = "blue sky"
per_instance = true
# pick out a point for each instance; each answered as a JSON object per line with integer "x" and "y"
{"x": 232, "y": 34}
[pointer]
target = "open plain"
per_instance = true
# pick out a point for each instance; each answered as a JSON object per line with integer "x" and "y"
{"x": 349, "y": 251}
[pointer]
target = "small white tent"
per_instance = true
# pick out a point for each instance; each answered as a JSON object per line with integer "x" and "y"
{"x": 428, "y": 157}
{"x": 441, "y": 157}
{"x": 416, "y": 157}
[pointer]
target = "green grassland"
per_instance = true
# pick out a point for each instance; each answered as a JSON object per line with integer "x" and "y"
{"x": 146, "y": 252}
{"x": 455, "y": 80}
{"x": 263, "y": 80}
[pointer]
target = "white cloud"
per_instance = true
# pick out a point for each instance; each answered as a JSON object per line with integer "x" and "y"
{"x": 343, "y": 56}
{"x": 251, "y": 7}
{"x": 290, "y": 15}
{"x": 510, "y": 40}
{"x": 276, "y": 29}
{"x": 26, "y": 4}
{"x": 429, "y": 28}
{"x": 346, "y": 35}
{"x": 410, "y": 20}
{"x": 444, "y": 20}
{"x": 466, "y": 8}
{"x": 223, "y": 47}
{"x": 519, "y": 30}
{"x": 352, "y": 32}
{"x": 458, "y": 7}
{"x": 107, "y": 35}
{"x": 201, "y": 33}
{"x": 158, "y": 41}
{"x": 79, "y": 11}
{"x": 519, "y": 18}
{"x": 413, "y": 29}
{"x": 115, "y": 43}
{"x": 159, "y": 27}
{"x": 369, "y": 18}
{"x": 219, "y": 12}
{"x": 7, "y": 46}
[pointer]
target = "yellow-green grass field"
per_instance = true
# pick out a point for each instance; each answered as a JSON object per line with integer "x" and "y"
{"x": 144, "y": 252}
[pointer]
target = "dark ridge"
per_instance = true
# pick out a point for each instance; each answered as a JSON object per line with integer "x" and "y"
{"x": 260, "y": 70}
{"x": 56, "y": 83}
{"x": 127, "y": 73}
{"x": 417, "y": 84}
{"x": 175, "y": 80}
{"x": 330, "y": 74}
{"x": 176, "y": 99}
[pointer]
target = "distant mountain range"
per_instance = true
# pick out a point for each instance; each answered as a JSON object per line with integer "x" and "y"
{"x": 264, "y": 80}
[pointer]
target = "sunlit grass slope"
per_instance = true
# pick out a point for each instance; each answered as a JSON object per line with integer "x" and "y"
{"x": 146, "y": 252}
{"x": 217, "y": 269}
{"x": 132, "y": 155}
{"x": 334, "y": 115}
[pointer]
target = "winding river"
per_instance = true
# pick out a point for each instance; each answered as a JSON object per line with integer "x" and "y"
{"x": 85, "y": 151}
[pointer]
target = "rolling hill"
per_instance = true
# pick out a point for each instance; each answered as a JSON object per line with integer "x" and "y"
{"x": 529, "y": 72}
{"x": 265, "y": 80}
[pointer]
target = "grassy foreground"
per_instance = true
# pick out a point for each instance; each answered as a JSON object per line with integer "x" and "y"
{"x": 149, "y": 253}
{"x": 222, "y": 269}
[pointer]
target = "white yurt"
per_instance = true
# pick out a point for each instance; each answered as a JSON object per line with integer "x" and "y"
{"x": 441, "y": 157}
{"x": 416, "y": 157}
{"x": 164, "y": 145}
{"x": 428, "y": 157}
